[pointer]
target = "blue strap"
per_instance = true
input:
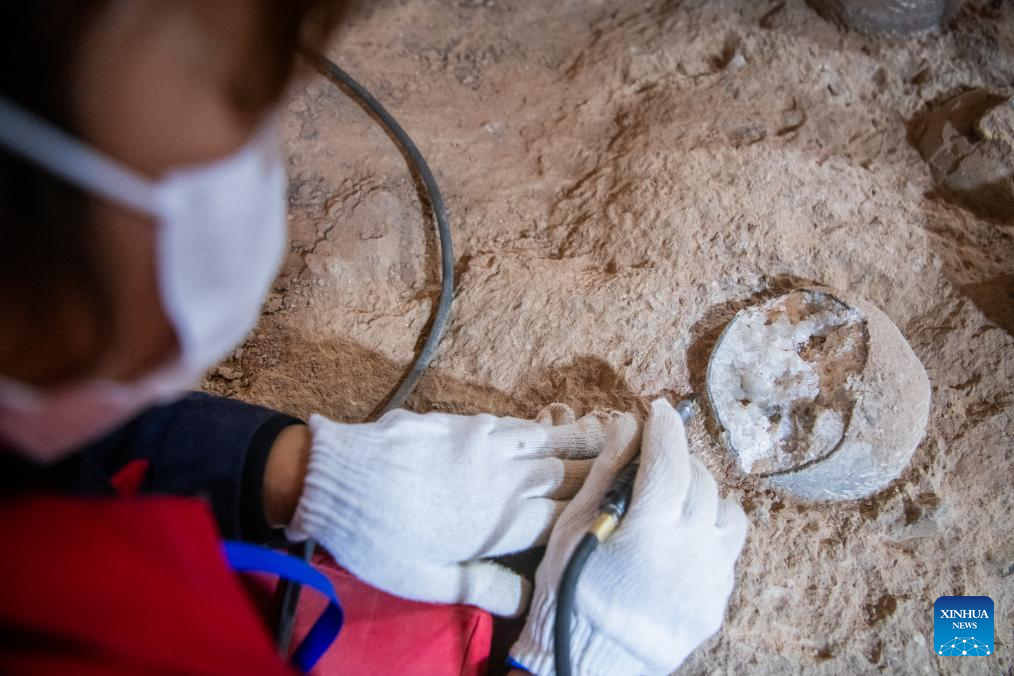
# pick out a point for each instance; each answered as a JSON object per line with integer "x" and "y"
{"x": 245, "y": 557}
{"x": 514, "y": 664}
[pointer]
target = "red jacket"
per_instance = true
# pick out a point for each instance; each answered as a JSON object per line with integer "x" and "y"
{"x": 101, "y": 583}
{"x": 139, "y": 585}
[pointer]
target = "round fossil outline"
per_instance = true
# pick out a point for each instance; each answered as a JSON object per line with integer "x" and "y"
{"x": 723, "y": 430}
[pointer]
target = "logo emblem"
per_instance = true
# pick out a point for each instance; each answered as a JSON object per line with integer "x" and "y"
{"x": 963, "y": 626}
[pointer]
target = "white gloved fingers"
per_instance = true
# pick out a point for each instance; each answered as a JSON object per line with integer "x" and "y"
{"x": 623, "y": 433}
{"x": 557, "y": 478}
{"x": 584, "y": 438}
{"x": 732, "y": 526}
{"x": 659, "y": 586}
{"x": 556, "y": 414}
{"x": 664, "y": 476}
{"x": 485, "y": 584}
{"x": 575, "y": 473}
{"x": 727, "y": 513}
{"x": 623, "y": 437}
{"x": 397, "y": 415}
{"x": 530, "y": 527}
{"x": 581, "y": 439}
{"x": 552, "y": 415}
{"x": 701, "y": 504}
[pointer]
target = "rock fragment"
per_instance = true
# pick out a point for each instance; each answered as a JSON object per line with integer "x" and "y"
{"x": 968, "y": 142}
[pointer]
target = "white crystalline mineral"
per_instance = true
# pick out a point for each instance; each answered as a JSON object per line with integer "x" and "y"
{"x": 767, "y": 392}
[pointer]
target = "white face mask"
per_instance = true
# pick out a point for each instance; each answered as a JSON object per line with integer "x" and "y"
{"x": 221, "y": 236}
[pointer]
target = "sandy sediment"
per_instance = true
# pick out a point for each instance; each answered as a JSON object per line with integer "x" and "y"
{"x": 623, "y": 177}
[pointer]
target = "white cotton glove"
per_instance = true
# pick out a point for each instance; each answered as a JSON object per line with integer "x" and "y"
{"x": 412, "y": 503}
{"x": 657, "y": 588}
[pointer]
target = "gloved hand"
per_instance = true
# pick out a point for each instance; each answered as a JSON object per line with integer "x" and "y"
{"x": 411, "y": 503}
{"x": 657, "y": 588}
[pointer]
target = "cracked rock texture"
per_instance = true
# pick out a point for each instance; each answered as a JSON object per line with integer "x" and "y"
{"x": 621, "y": 178}
{"x": 968, "y": 142}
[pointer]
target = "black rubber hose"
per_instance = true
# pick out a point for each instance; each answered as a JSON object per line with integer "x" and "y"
{"x": 565, "y": 602}
{"x": 418, "y": 164}
{"x": 290, "y": 592}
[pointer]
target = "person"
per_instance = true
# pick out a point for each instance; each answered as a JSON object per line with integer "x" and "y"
{"x": 142, "y": 191}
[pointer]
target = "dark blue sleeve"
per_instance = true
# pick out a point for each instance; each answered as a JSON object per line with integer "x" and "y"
{"x": 201, "y": 445}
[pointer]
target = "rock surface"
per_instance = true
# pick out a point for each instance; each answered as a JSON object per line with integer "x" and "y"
{"x": 616, "y": 193}
{"x": 892, "y": 404}
{"x": 891, "y": 17}
{"x": 968, "y": 142}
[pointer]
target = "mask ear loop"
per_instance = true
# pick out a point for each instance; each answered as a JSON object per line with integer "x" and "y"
{"x": 45, "y": 145}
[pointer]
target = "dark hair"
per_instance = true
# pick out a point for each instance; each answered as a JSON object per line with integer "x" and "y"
{"x": 46, "y": 233}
